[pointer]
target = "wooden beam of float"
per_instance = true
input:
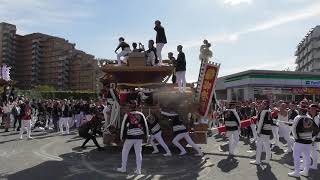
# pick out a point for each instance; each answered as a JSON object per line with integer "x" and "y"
{"x": 137, "y": 75}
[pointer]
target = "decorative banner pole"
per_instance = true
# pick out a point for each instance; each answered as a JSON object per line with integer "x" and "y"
{"x": 208, "y": 82}
{"x": 5, "y": 72}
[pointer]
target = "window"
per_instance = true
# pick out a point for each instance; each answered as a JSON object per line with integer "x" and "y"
{"x": 317, "y": 98}
{"x": 240, "y": 95}
{"x": 260, "y": 96}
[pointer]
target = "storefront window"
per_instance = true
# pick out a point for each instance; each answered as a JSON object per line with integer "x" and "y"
{"x": 233, "y": 95}
{"x": 240, "y": 94}
{"x": 298, "y": 98}
{"x": 237, "y": 94}
{"x": 279, "y": 97}
{"x": 309, "y": 97}
{"x": 260, "y": 96}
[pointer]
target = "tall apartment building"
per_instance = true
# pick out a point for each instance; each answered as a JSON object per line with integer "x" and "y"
{"x": 308, "y": 52}
{"x": 43, "y": 60}
{"x": 85, "y": 72}
{"x": 40, "y": 59}
{"x": 7, "y": 44}
{"x": 28, "y": 56}
{"x": 55, "y": 60}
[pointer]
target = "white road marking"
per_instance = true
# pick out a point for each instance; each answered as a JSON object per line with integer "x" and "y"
{"x": 43, "y": 153}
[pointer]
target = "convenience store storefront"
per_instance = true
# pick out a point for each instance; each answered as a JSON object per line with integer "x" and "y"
{"x": 275, "y": 85}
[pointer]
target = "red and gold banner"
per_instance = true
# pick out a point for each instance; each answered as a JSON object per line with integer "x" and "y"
{"x": 207, "y": 87}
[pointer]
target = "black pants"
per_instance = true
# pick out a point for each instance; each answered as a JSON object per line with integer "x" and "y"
{"x": 55, "y": 121}
{"x": 17, "y": 119}
{"x": 88, "y": 137}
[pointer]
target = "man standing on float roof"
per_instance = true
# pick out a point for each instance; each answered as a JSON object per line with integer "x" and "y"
{"x": 161, "y": 40}
{"x": 232, "y": 123}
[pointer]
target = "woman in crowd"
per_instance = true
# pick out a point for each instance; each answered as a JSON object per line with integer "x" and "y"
{"x": 26, "y": 120}
{"x": 283, "y": 125}
{"x": 6, "y": 110}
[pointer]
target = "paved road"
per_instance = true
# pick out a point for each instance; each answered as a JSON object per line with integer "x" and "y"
{"x": 51, "y": 156}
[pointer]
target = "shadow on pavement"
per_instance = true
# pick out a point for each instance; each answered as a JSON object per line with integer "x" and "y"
{"x": 226, "y": 165}
{"x": 10, "y": 133}
{"x": 235, "y": 156}
{"x": 277, "y": 150}
{"x": 90, "y": 164}
{"x": 11, "y": 140}
{"x": 264, "y": 173}
{"x": 286, "y": 159}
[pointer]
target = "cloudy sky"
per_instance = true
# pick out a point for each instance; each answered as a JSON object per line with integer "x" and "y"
{"x": 246, "y": 34}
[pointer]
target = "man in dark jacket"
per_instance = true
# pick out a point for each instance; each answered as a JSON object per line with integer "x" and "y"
{"x": 89, "y": 129}
{"x": 125, "y": 47}
{"x": 16, "y": 116}
{"x": 56, "y": 114}
{"x": 181, "y": 69}
{"x": 161, "y": 39}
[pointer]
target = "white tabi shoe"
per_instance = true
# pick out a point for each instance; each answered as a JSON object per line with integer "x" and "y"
{"x": 294, "y": 174}
{"x": 253, "y": 140}
{"x": 182, "y": 153}
{"x": 137, "y": 172}
{"x": 167, "y": 154}
{"x": 304, "y": 173}
{"x": 254, "y": 162}
{"x": 266, "y": 162}
{"x": 288, "y": 151}
{"x": 121, "y": 170}
{"x": 155, "y": 152}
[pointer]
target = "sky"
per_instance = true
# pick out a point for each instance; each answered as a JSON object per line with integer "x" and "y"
{"x": 245, "y": 34}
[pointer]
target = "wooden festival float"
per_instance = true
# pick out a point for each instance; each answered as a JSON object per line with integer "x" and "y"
{"x": 159, "y": 93}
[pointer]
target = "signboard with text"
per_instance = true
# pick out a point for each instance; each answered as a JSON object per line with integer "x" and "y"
{"x": 207, "y": 87}
{"x": 312, "y": 83}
